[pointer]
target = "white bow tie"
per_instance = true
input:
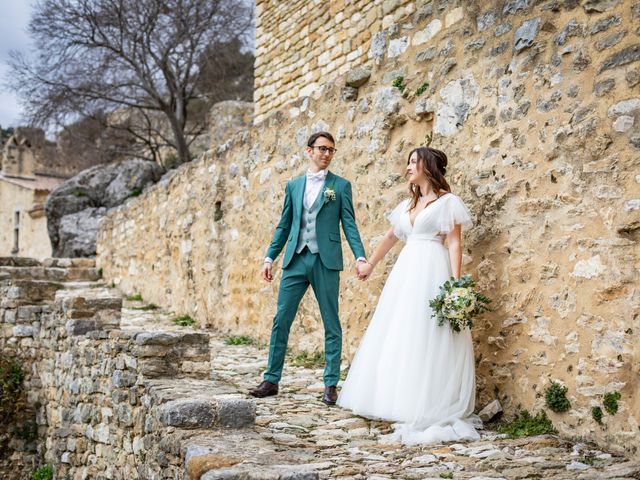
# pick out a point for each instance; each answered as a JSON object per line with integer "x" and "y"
{"x": 316, "y": 176}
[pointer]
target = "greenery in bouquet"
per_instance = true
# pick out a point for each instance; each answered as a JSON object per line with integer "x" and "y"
{"x": 458, "y": 303}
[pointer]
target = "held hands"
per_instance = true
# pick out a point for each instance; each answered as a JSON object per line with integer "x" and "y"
{"x": 267, "y": 271}
{"x": 363, "y": 270}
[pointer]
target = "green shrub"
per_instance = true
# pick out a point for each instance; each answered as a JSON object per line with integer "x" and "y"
{"x": 428, "y": 139}
{"x": 28, "y": 430}
{"x": 307, "y": 360}
{"x": 611, "y": 402}
{"x": 135, "y": 298}
{"x": 524, "y": 425}
{"x": 422, "y": 88}
{"x": 135, "y": 192}
{"x": 151, "y": 306}
{"x": 238, "y": 340}
{"x": 398, "y": 82}
{"x": 446, "y": 475}
{"x": 555, "y": 397}
{"x": 184, "y": 321}
{"x": 596, "y": 413}
{"x": 12, "y": 398}
{"x": 43, "y": 473}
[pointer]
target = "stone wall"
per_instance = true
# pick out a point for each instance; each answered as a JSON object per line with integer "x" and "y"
{"x": 300, "y": 45}
{"x": 112, "y": 399}
{"x": 536, "y": 104}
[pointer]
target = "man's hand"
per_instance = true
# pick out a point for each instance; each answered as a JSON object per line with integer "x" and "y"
{"x": 267, "y": 271}
{"x": 363, "y": 270}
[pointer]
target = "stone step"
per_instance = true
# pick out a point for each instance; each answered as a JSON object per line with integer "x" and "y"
{"x": 58, "y": 274}
{"x": 245, "y": 454}
{"x": 18, "y": 262}
{"x": 89, "y": 309}
{"x": 28, "y": 292}
{"x": 48, "y": 262}
{"x": 170, "y": 354}
{"x": 199, "y": 404}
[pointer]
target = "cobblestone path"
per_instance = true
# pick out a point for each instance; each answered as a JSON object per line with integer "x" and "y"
{"x": 342, "y": 445}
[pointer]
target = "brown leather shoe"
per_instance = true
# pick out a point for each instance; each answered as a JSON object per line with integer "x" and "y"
{"x": 265, "y": 389}
{"x": 330, "y": 395}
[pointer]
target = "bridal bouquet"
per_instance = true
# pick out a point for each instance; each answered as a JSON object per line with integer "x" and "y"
{"x": 458, "y": 303}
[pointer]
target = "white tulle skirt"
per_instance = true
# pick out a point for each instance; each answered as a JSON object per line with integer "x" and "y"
{"x": 407, "y": 368}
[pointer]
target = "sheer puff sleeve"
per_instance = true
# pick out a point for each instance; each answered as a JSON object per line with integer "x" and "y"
{"x": 454, "y": 212}
{"x": 397, "y": 219}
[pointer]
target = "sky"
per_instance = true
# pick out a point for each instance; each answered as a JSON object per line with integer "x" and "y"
{"x": 13, "y": 36}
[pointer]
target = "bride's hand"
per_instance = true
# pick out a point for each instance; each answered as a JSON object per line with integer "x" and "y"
{"x": 364, "y": 270}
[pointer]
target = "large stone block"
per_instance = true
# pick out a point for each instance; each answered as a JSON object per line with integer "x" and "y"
{"x": 188, "y": 414}
{"x": 235, "y": 412}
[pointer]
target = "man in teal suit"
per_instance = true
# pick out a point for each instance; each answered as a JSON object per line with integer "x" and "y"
{"x": 314, "y": 206}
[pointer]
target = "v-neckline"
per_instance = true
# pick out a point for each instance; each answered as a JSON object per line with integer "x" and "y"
{"x": 420, "y": 212}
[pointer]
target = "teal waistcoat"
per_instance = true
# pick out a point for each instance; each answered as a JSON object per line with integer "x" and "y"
{"x": 307, "y": 236}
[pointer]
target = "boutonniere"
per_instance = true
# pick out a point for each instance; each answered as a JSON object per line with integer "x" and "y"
{"x": 329, "y": 195}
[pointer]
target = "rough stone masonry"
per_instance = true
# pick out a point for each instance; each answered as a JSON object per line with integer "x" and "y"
{"x": 121, "y": 392}
{"x": 537, "y": 105}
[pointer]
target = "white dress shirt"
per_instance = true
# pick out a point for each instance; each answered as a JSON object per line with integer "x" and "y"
{"x": 313, "y": 186}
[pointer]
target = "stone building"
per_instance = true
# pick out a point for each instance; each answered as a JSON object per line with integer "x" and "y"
{"x": 537, "y": 105}
{"x": 23, "y": 190}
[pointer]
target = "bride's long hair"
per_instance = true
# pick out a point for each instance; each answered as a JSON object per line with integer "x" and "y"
{"x": 434, "y": 166}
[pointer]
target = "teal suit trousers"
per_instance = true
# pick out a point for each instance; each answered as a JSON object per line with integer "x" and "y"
{"x": 307, "y": 269}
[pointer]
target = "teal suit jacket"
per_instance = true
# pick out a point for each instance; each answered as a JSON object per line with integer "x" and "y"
{"x": 331, "y": 214}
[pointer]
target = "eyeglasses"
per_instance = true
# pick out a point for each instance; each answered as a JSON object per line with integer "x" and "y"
{"x": 323, "y": 149}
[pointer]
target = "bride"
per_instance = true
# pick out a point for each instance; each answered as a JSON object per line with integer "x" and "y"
{"x": 407, "y": 368}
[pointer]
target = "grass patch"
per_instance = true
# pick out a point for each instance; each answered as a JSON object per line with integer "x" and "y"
{"x": 610, "y": 402}
{"x": 524, "y": 425}
{"x": 43, "y": 473}
{"x": 398, "y": 82}
{"x": 135, "y": 192}
{"x": 446, "y": 475}
{"x": 587, "y": 459}
{"x": 238, "y": 340}
{"x": 135, "y": 298}
{"x": 596, "y": 414}
{"x": 555, "y": 397}
{"x": 308, "y": 360}
{"x": 184, "y": 321}
{"x": 422, "y": 88}
{"x": 151, "y": 306}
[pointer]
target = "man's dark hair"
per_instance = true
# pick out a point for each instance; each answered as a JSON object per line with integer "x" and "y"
{"x": 315, "y": 136}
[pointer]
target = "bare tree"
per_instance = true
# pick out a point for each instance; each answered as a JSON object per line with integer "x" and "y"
{"x": 139, "y": 59}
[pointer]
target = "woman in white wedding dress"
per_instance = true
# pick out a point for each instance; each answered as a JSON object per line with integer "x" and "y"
{"x": 407, "y": 368}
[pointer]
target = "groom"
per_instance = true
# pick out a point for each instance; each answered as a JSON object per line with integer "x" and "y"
{"x": 314, "y": 206}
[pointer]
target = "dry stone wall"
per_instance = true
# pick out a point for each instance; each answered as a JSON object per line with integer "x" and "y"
{"x": 536, "y": 103}
{"x": 300, "y": 45}
{"x": 109, "y": 400}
